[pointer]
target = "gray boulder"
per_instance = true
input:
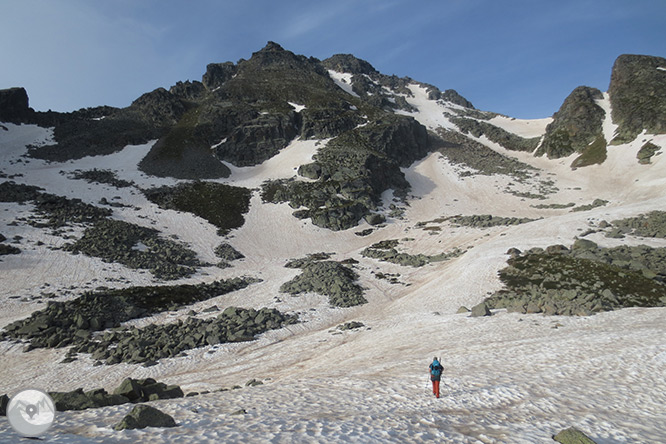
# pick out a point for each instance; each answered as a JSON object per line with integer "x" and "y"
{"x": 129, "y": 388}
{"x": 480, "y": 310}
{"x": 227, "y": 253}
{"x": 143, "y": 416}
{"x": 74, "y": 400}
{"x": 572, "y": 436}
{"x": 583, "y": 244}
{"x": 374, "y": 219}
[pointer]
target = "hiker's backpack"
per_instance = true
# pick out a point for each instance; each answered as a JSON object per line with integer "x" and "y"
{"x": 436, "y": 369}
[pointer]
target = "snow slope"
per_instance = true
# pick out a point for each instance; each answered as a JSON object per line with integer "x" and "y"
{"x": 509, "y": 378}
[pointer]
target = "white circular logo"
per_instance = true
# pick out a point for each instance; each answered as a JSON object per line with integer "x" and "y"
{"x": 31, "y": 412}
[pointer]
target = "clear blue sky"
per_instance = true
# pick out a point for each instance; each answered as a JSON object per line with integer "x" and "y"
{"x": 516, "y": 57}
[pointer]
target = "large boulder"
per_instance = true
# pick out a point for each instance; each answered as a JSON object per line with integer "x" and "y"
{"x": 480, "y": 310}
{"x": 572, "y": 436}
{"x": 141, "y": 390}
{"x": 74, "y": 400}
{"x": 130, "y": 388}
{"x": 143, "y": 416}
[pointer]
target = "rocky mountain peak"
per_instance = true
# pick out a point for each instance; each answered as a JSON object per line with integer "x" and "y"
{"x": 575, "y": 126}
{"x": 638, "y": 95}
{"x": 350, "y": 64}
{"x": 273, "y": 56}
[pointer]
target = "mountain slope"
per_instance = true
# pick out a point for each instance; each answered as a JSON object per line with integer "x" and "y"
{"x": 447, "y": 201}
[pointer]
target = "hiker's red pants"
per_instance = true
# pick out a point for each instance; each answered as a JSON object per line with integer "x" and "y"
{"x": 435, "y": 388}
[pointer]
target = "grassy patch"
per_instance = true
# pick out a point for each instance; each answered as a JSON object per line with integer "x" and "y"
{"x": 594, "y": 154}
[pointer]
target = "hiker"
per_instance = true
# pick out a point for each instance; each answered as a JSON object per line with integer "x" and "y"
{"x": 435, "y": 375}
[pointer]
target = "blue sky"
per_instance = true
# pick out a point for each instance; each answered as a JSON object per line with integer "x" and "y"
{"x": 517, "y": 57}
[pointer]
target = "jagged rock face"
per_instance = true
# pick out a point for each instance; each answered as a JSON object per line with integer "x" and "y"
{"x": 451, "y": 95}
{"x": 159, "y": 107}
{"x": 246, "y": 107}
{"x": 14, "y": 105}
{"x": 258, "y": 140}
{"x": 575, "y": 126}
{"x": 349, "y": 63}
{"x": 638, "y": 95}
{"x": 218, "y": 73}
{"x": 191, "y": 91}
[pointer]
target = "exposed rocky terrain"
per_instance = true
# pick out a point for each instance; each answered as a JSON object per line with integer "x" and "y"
{"x": 319, "y": 224}
{"x": 582, "y": 280}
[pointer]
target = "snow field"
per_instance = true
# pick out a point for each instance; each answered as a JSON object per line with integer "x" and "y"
{"x": 509, "y": 378}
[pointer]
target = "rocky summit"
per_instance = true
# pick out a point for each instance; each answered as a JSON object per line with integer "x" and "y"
{"x": 288, "y": 238}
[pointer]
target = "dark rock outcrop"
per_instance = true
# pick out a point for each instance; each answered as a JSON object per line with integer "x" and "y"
{"x": 154, "y": 342}
{"x": 14, "y": 106}
{"x": 143, "y": 416}
{"x": 227, "y": 253}
{"x": 583, "y": 280}
{"x": 385, "y": 251}
{"x": 575, "y": 126}
{"x": 136, "y": 247}
{"x": 638, "y": 95}
{"x": 62, "y": 324}
{"x": 353, "y": 170}
{"x": 646, "y": 153}
{"x": 258, "y": 140}
{"x": 451, "y": 95}
{"x": 652, "y": 224}
{"x": 328, "y": 278}
{"x": 508, "y": 140}
{"x": 220, "y": 204}
{"x": 218, "y": 73}
{"x": 80, "y": 400}
{"x": 350, "y": 64}
{"x": 159, "y": 107}
{"x": 142, "y": 390}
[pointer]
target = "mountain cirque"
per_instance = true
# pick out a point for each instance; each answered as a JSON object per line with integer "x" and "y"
{"x": 230, "y": 188}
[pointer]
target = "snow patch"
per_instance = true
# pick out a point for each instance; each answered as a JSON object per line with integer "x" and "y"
{"x": 284, "y": 165}
{"x": 608, "y": 127}
{"x": 428, "y": 112}
{"x": 527, "y": 128}
{"x": 297, "y": 107}
{"x": 343, "y": 80}
{"x": 219, "y": 143}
